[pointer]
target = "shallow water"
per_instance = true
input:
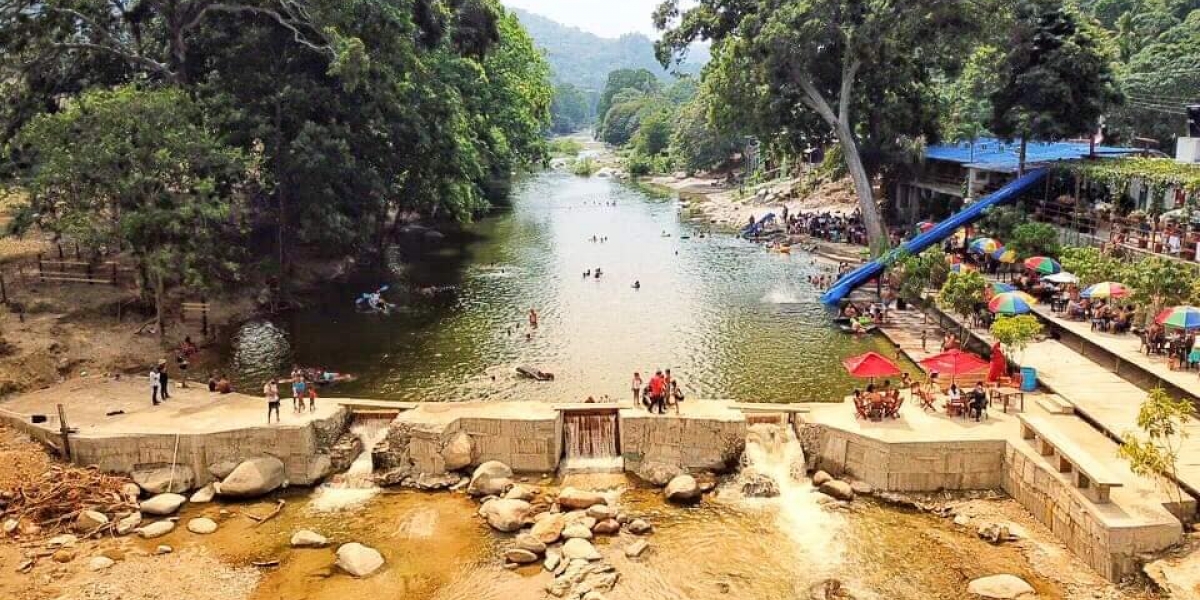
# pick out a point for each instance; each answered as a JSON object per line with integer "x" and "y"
{"x": 730, "y": 319}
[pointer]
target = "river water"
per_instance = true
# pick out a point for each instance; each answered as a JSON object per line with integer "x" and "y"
{"x": 731, "y": 320}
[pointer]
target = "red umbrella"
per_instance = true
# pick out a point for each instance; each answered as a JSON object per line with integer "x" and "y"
{"x": 870, "y": 365}
{"x": 954, "y": 363}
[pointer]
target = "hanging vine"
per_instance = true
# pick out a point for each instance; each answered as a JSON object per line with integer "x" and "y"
{"x": 1157, "y": 175}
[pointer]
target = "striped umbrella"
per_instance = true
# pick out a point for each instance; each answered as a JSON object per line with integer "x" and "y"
{"x": 1011, "y": 303}
{"x": 961, "y": 268}
{"x": 996, "y": 288}
{"x": 1180, "y": 317}
{"x": 984, "y": 245}
{"x": 1043, "y": 265}
{"x": 1107, "y": 289}
{"x": 1005, "y": 255}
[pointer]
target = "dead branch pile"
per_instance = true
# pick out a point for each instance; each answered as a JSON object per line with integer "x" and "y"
{"x": 50, "y": 503}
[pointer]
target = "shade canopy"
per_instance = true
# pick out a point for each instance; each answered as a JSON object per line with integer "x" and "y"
{"x": 984, "y": 245}
{"x": 1180, "y": 317}
{"x": 996, "y": 287}
{"x": 954, "y": 363}
{"x": 1011, "y": 303}
{"x": 1043, "y": 265}
{"x": 1061, "y": 277}
{"x": 1107, "y": 289}
{"x": 1005, "y": 255}
{"x": 870, "y": 365}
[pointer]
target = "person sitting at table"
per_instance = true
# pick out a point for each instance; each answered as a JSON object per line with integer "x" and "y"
{"x": 978, "y": 401}
{"x": 1121, "y": 320}
{"x": 953, "y": 399}
{"x": 1074, "y": 309}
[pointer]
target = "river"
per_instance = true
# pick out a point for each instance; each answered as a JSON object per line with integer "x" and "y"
{"x": 730, "y": 320}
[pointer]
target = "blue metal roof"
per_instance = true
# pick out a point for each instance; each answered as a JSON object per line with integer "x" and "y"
{"x": 990, "y": 154}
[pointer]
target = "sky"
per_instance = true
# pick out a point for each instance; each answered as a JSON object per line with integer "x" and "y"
{"x": 606, "y": 18}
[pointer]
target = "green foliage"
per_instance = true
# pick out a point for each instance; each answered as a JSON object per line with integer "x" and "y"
{"x": 565, "y": 147}
{"x": 1153, "y": 451}
{"x": 833, "y": 164}
{"x": 639, "y": 164}
{"x": 1092, "y": 266}
{"x": 1056, "y": 78}
{"x": 640, "y": 82}
{"x": 653, "y": 135}
{"x": 1033, "y": 239}
{"x": 584, "y": 167}
{"x": 1156, "y": 174}
{"x": 917, "y": 273}
{"x": 570, "y": 110}
{"x": 1158, "y": 283}
{"x": 962, "y": 293}
{"x": 1016, "y": 332}
{"x": 697, "y": 142}
{"x": 1001, "y": 221}
{"x": 966, "y": 100}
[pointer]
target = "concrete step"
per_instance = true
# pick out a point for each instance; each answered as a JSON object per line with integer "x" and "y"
{"x": 1056, "y": 405}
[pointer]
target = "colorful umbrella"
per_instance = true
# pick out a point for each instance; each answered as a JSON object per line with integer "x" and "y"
{"x": 1180, "y": 317}
{"x": 1107, "y": 289}
{"x": 1005, "y": 255}
{"x": 954, "y": 363}
{"x": 1011, "y": 303}
{"x": 984, "y": 245}
{"x": 870, "y": 365}
{"x": 926, "y": 226}
{"x": 961, "y": 268}
{"x": 1061, "y": 277}
{"x": 1043, "y": 265}
{"x": 999, "y": 288}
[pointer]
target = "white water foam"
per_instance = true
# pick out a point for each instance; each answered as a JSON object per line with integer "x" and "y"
{"x": 356, "y": 486}
{"x": 781, "y": 295}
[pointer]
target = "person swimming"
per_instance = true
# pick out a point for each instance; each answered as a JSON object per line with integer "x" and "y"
{"x": 598, "y": 273}
{"x": 637, "y": 285}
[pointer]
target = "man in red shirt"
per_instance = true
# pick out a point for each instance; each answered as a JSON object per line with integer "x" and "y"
{"x": 658, "y": 393}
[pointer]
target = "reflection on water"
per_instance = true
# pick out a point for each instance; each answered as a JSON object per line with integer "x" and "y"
{"x": 730, "y": 319}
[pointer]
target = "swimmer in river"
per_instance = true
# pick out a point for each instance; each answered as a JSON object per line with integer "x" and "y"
{"x": 587, "y": 273}
{"x": 533, "y": 319}
{"x": 598, "y": 273}
{"x": 637, "y": 285}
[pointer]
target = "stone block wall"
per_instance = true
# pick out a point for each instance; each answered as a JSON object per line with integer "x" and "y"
{"x": 693, "y": 444}
{"x": 530, "y": 445}
{"x": 1103, "y": 544}
{"x": 913, "y": 467}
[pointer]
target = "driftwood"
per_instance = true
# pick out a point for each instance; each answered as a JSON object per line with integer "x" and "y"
{"x": 266, "y": 563}
{"x": 55, "y": 499}
{"x": 271, "y": 515}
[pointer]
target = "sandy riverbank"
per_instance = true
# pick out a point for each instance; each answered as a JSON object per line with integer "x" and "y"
{"x": 715, "y": 201}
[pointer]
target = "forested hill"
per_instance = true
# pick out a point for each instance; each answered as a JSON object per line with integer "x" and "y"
{"x": 584, "y": 59}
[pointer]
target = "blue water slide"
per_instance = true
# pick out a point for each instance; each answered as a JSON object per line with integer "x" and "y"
{"x": 939, "y": 232}
{"x": 755, "y": 229}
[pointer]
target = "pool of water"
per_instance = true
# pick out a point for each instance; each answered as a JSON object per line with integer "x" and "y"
{"x": 730, "y": 320}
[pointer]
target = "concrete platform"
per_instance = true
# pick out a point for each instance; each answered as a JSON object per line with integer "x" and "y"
{"x": 193, "y": 410}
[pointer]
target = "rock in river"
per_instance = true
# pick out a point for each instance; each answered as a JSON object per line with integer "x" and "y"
{"x": 358, "y": 560}
{"x": 820, "y": 478}
{"x": 203, "y": 495}
{"x": 506, "y": 515}
{"x": 576, "y": 499}
{"x": 640, "y": 527}
{"x": 579, "y": 548}
{"x": 1000, "y": 587}
{"x": 163, "y": 504}
{"x": 160, "y": 480}
{"x": 202, "y": 526}
{"x": 658, "y": 474}
{"x": 520, "y": 556}
{"x": 253, "y": 478}
{"x": 89, "y": 520}
{"x": 457, "y": 452}
{"x": 492, "y": 478}
{"x": 837, "y": 489}
{"x": 682, "y": 490}
{"x": 526, "y": 541}
{"x": 157, "y": 529}
{"x": 308, "y": 539}
{"x": 577, "y": 530}
{"x": 549, "y": 528}
{"x": 601, "y": 512}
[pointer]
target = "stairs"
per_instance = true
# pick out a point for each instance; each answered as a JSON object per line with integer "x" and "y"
{"x": 1055, "y": 404}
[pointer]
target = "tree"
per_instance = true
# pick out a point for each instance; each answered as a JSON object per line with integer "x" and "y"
{"x": 1015, "y": 333}
{"x": 626, "y": 79}
{"x": 966, "y": 101}
{"x": 860, "y": 67}
{"x": 1158, "y": 283}
{"x": 1034, "y": 239}
{"x": 696, "y": 141}
{"x": 653, "y": 135}
{"x": 920, "y": 272}
{"x": 570, "y": 109}
{"x": 1092, "y": 266}
{"x": 1154, "y": 451}
{"x": 137, "y": 168}
{"x": 963, "y": 293}
{"x": 1057, "y": 79}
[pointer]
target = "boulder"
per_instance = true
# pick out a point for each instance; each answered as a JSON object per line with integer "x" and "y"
{"x": 161, "y": 480}
{"x": 253, "y": 478}
{"x": 549, "y": 528}
{"x": 157, "y": 529}
{"x": 577, "y": 530}
{"x": 683, "y": 489}
{"x": 128, "y": 523}
{"x": 607, "y": 527}
{"x": 553, "y": 557}
{"x": 521, "y": 491}
{"x": 821, "y": 478}
{"x": 576, "y": 499}
{"x": 64, "y": 555}
{"x": 656, "y": 473}
{"x": 636, "y": 549}
{"x": 526, "y": 541}
{"x": 492, "y": 478}
{"x": 163, "y": 549}
{"x": 458, "y": 452}
{"x": 90, "y": 520}
{"x": 602, "y": 512}
{"x": 162, "y": 504}
{"x": 1000, "y": 587}
{"x": 639, "y": 527}
{"x": 203, "y": 495}
{"x": 758, "y": 485}
{"x": 202, "y": 526}
{"x": 430, "y": 482}
{"x": 358, "y": 560}
{"x": 520, "y": 556}
{"x": 837, "y": 489}
{"x": 222, "y": 469}
{"x": 579, "y": 549}
{"x": 305, "y": 538}
{"x": 506, "y": 515}
{"x": 319, "y": 468}
{"x": 131, "y": 492}
{"x": 100, "y": 563}
{"x": 862, "y": 488}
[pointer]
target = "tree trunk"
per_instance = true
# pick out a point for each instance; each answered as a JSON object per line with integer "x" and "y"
{"x": 876, "y": 233}
{"x": 158, "y": 306}
{"x": 1021, "y": 160}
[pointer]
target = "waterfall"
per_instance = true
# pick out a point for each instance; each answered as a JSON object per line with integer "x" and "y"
{"x": 357, "y": 485}
{"x": 590, "y": 442}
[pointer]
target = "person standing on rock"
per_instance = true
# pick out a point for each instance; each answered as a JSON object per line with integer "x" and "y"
{"x": 271, "y": 391}
{"x": 164, "y": 381}
{"x": 155, "y": 381}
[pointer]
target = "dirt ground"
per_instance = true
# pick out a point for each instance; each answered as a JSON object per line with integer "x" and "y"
{"x": 732, "y": 207}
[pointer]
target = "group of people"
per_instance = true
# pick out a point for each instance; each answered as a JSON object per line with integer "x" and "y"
{"x": 974, "y": 402}
{"x": 302, "y": 389}
{"x": 656, "y": 394}
{"x": 1105, "y": 316}
{"x": 160, "y": 388}
{"x": 880, "y": 402}
{"x": 846, "y": 229}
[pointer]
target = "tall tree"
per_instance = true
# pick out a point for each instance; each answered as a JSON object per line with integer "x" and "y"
{"x": 1057, "y": 79}
{"x": 844, "y": 60}
{"x": 625, "y": 79}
